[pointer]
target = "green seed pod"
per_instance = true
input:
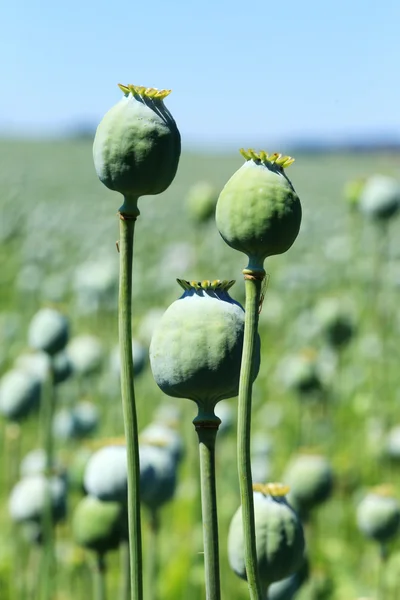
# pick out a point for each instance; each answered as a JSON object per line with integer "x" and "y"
{"x": 336, "y": 321}
{"x": 196, "y": 348}
{"x": 98, "y": 525}
{"x": 378, "y": 514}
{"x": 48, "y": 331}
{"x": 380, "y": 198}
{"x": 258, "y": 211}
{"x": 19, "y": 394}
{"x": 310, "y": 478}
{"x": 279, "y": 536}
{"x": 137, "y": 145}
{"x": 201, "y": 202}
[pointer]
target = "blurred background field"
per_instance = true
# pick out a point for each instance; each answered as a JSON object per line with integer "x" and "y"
{"x": 339, "y": 400}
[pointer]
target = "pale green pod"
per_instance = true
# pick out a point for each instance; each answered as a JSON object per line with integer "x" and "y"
{"x": 137, "y": 145}
{"x": 380, "y": 198}
{"x": 310, "y": 478}
{"x": 201, "y": 202}
{"x": 279, "y": 536}
{"x": 378, "y": 514}
{"x": 196, "y": 348}
{"x": 98, "y": 525}
{"x": 258, "y": 211}
{"x": 48, "y": 331}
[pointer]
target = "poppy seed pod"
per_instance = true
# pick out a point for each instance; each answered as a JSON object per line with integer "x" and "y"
{"x": 137, "y": 145}
{"x": 163, "y": 436}
{"x": 160, "y": 487}
{"x": 258, "y": 211}
{"x": 106, "y": 475}
{"x": 99, "y": 526}
{"x": 279, "y": 536}
{"x": 196, "y": 348}
{"x": 86, "y": 354}
{"x": 48, "y": 331}
{"x": 201, "y": 202}
{"x": 310, "y": 478}
{"x": 378, "y": 514}
{"x": 28, "y": 498}
{"x": 380, "y": 198}
{"x": 19, "y": 394}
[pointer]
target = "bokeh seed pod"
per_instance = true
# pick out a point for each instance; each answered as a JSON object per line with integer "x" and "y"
{"x": 99, "y": 526}
{"x": 28, "y": 498}
{"x": 86, "y": 354}
{"x": 139, "y": 356}
{"x": 279, "y": 536}
{"x": 201, "y": 202}
{"x": 159, "y": 486}
{"x": 196, "y": 348}
{"x": 48, "y": 331}
{"x": 137, "y": 145}
{"x": 163, "y": 436}
{"x": 336, "y": 321}
{"x": 19, "y": 394}
{"x": 310, "y": 478}
{"x": 378, "y": 514}
{"x": 258, "y": 211}
{"x": 380, "y": 198}
{"x": 106, "y": 476}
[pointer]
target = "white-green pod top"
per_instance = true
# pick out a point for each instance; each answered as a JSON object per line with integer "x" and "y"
{"x": 279, "y": 536}
{"x": 380, "y": 197}
{"x": 378, "y": 514}
{"x": 196, "y": 348}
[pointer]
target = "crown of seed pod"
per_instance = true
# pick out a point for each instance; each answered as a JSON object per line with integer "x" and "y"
{"x": 378, "y": 514}
{"x": 99, "y": 526}
{"x": 137, "y": 145}
{"x": 196, "y": 348}
{"x": 48, "y": 331}
{"x": 279, "y": 536}
{"x": 310, "y": 478}
{"x": 19, "y": 394}
{"x": 258, "y": 211}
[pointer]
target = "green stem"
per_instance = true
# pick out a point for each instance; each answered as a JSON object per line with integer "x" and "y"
{"x": 253, "y": 283}
{"x": 153, "y": 555}
{"x": 207, "y": 429}
{"x": 128, "y": 213}
{"x": 125, "y": 583}
{"x": 99, "y": 578}
{"x": 48, "y": 564}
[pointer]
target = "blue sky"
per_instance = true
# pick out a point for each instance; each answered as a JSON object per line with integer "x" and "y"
{"x": 240, "y": 72}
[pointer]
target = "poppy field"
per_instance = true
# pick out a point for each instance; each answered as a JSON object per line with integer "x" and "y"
{"x": 326, "y": 401}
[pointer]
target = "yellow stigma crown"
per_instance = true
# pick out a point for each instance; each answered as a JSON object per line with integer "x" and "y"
{"x": 140, "y": 90}
{"x": 264, "y": 157}
{"x": 271, "y": 489}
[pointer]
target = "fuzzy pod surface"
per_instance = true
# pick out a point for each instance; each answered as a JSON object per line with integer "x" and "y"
{"x": 258, "y": 211}
{"x": 137, "y": 145}
{"x": 48, "y": 331}
{"x": 279, "y": 536}
{"x": 19, "y": 394}
{"x": 378, "y": 515}
{"x": 98, "y": 525}
{"x": 196, "y": 348}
